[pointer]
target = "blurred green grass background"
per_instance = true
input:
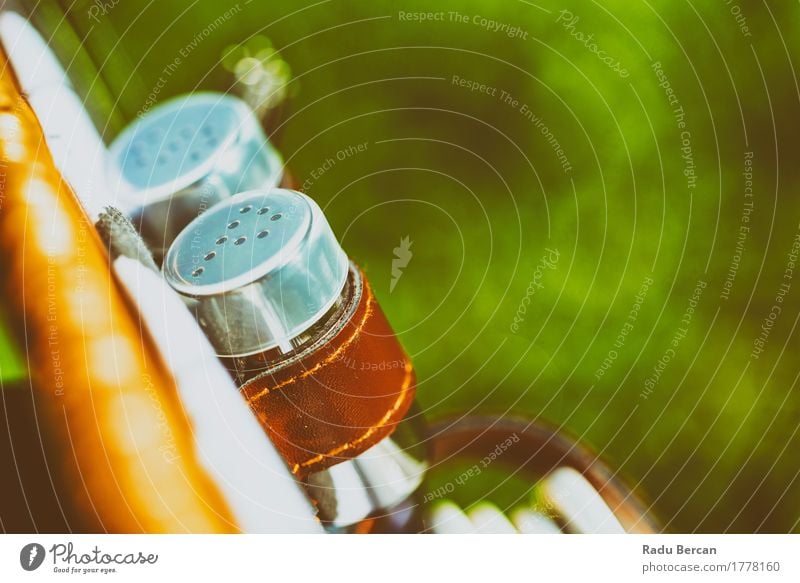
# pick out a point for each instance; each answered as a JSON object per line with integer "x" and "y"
{"x": 481, "y": 193}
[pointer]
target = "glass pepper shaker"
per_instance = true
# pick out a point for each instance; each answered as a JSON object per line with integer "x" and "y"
{"x": 184, "y": 156}
{"x": 299, "y": 328}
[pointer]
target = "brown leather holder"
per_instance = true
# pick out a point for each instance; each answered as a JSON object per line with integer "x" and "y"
{"x": 340, "y": 396}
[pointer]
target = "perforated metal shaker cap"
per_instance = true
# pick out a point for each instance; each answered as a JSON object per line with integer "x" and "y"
{"x": 184, "y": 156}
{"x": 259, "y": 269}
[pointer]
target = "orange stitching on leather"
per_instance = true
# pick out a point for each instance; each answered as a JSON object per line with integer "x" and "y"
{"x": 369, "y": 432}
{"x": 331, "y": 357}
